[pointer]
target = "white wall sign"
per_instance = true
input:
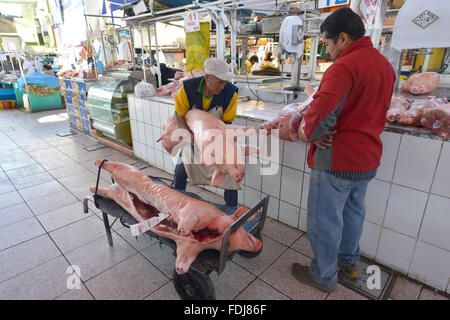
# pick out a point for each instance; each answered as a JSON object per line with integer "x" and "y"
{"x": 368, "y": 8}
{"x": 331, "y": 3}
{"x": 191, "y": 22}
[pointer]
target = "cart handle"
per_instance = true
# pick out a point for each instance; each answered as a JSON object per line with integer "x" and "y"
{"x": 264, "y": 203}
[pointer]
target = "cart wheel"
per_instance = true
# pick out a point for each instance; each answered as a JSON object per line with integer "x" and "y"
{"x": 251, "y": 254}
{"x": 193, "y": 286}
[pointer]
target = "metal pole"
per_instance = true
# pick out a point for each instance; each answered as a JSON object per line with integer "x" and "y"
{"x": 142, "y": 53}
{"x": 103, "y": 47}
{"x": 90, "y": 40}
{"x": 157, "y": 57}
{"x": 150, "y": 45}
{"x": 313, "y": 57}
{"x": 132, "y": 48}
{"x": 378, "y": 24}
{"x": 233, "y": 42}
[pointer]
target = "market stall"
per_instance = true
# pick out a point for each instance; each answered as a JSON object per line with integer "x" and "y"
{"x": 406, "y": 202}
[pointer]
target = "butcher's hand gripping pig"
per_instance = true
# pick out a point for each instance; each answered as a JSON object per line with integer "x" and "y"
{"x": 421, "y": 83}
{"x": 194, "y": 225}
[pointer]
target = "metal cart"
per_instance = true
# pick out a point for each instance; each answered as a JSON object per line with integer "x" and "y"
{"x": 195, "y": 284}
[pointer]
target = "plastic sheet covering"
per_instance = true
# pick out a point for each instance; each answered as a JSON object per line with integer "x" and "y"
{"x": 39, "y": 79}
{"x": 197, "y": 47}
{"x": 144, "y": 89}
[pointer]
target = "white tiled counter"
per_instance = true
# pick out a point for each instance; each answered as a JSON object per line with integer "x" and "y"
{"x": 407, "y": 226}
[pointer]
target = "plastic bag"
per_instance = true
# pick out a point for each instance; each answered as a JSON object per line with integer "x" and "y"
{"x": 144, "y": 89}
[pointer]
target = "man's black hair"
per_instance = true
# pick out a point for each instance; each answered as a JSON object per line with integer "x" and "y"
{"x": 254, "y": 58}
{"x": 343, "y": 20}
{"x": 47, "y": 67}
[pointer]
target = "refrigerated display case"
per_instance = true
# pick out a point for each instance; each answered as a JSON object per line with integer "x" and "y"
{"x": 108, "y": 106}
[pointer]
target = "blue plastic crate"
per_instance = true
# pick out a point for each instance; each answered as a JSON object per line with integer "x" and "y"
{"x": 7, "y": 94}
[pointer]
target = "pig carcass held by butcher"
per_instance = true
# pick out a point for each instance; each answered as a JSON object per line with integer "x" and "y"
{"x": 216, "y": 141}
{"x": 421, "y": 83}
{"x": 193, "y": 224}
{"x": 171, "y": 89}
{"x": 289, "y": 118}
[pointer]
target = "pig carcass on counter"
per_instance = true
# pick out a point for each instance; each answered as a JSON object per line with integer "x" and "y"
{"x": 438, "y": 120}
{"x": 413, "y": 115}
{"x": 289, "y": 118}
{"x": 193, "y": 224}
{"x": 421, "y": 83}
{"x": 171, "y": 89}
{"x": 210, "y": 135}
{"x": 398, "y": 105}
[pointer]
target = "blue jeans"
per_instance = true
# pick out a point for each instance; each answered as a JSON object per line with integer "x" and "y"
{"x": 336, "y": 211}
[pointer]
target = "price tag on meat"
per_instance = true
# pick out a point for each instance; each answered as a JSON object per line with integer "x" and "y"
{"x": 137, "y": 229}
{"x": 191, "y": 22}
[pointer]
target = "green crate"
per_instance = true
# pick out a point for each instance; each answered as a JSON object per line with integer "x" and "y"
{"x": 37, "y": 103}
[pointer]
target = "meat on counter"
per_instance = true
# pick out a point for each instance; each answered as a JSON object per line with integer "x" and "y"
{"x": 421, "y": 83}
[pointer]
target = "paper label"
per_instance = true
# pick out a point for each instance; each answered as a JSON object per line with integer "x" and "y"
{"x": 139, "y": 228}
{"x": 191, "y": 22}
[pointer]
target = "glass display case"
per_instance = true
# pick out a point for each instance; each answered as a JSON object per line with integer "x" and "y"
{"x": 107, "y": 103}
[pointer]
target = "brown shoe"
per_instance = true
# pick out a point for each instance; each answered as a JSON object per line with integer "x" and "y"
{"x": 301, "y": 273}
{"x": 350, "y": 271}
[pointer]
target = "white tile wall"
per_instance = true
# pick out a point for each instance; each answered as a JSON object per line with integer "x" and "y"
{"x": 252, "y": 197}
{"x": 141, "y": 132}
{"x": 149, "y": 135}
{"x": 305, "y": 191}
{"x": 272, "y": 210}
{"x": 138, "y": 102}
{"x": 134, "y": 133}
{"x": 156, "y": 134}
{"x": 289, "y": 214}
{"x": 163, "y": 112}
{"x": 253, "y": 176}
{"x": 405, "y": 210}
{"x": 151, "y": 156}
{"x": 294, "y": 155}
{"x": 395, "y": 250}
{"x": 159, "y": 159}
{"x": 436, "y": 223}
{"x": 147, "y": 105}
{"x": 131, "y": 107}
{"x": 391, "y": 142}
{"x": 369, "y": 239}
{"x": 241, "y": 196}
{"x": 376, "y": 199}
{"x": 441, "y": 184}
{"x": 430, "y": 265}
{"x": 303, "y": 220}
{"x": 271, "y": 149}
{"x": 291, "y": 188}
{"x": 416, "y": 162}
{"x": 156, "y": 121}
{"x": 271, "y": 184}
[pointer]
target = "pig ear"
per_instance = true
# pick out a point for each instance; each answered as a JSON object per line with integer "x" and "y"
{"x": 217, "y": 178}
{"x": 250, "y": 150}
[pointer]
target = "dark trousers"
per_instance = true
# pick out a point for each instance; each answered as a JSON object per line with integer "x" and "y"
{"x": 180, "y": 182}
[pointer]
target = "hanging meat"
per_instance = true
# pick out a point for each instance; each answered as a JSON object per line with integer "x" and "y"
{"x": 438, "y": 120}
{"x": 289, "y": 118}
{"x": 171, "y": 89}
{"x": 421, "y": 83}
{"x": 193, "y": 224}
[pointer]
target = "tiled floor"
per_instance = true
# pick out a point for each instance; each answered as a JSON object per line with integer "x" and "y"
{"x": 43, "y": 231}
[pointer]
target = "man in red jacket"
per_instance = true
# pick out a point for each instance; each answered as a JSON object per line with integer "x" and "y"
{"x": 343, "y": 126}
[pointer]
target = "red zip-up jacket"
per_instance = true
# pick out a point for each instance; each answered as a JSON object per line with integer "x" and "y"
{"x": 353, "y": 98}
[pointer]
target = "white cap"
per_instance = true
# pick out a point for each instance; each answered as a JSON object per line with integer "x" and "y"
{"x": 218, "y": 68}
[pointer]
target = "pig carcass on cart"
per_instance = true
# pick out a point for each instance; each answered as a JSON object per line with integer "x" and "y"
{"x": 204, "y": 235}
